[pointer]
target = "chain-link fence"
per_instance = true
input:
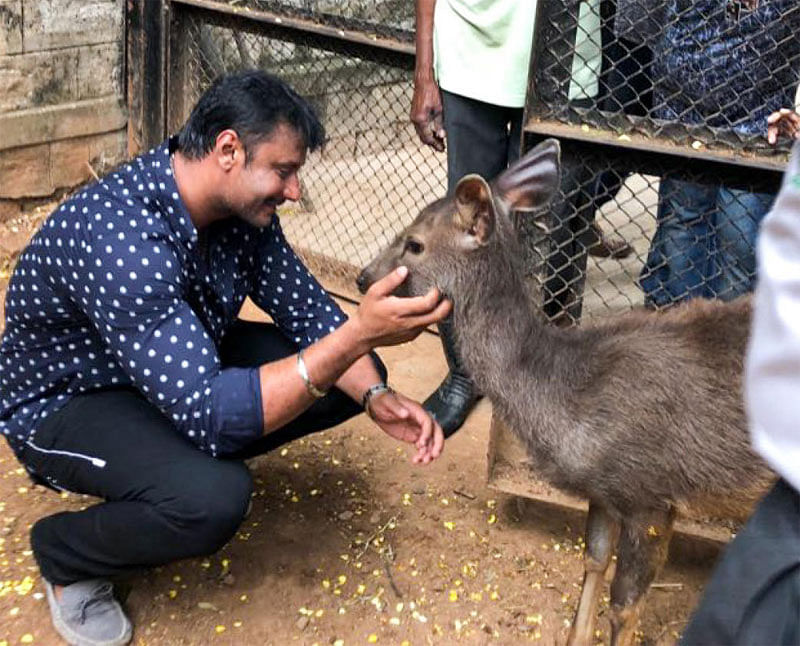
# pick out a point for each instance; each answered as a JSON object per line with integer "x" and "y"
{"x": 660, "y": 106}
{"x": 372, "y": 176}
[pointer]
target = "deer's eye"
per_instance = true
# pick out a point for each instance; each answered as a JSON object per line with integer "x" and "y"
{"x": 414, "y": 247}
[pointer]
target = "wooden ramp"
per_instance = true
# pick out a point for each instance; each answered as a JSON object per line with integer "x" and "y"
{"x": 510, "y": 472}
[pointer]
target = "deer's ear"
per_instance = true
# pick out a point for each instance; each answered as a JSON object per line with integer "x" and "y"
{"x": 531, "y": 181}
{"x": 474, "y": 211}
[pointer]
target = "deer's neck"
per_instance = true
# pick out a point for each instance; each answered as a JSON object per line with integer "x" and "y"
{"x": 503, "y": 339}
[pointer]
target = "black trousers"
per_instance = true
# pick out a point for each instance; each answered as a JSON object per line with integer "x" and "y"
{"x": 753, "y": 597}
{"x": 482, "y": 138}
{"x": 164, "y": 499}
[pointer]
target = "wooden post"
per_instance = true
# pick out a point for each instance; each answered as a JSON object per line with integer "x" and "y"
{"x": 147, "y": 22}
{"x": 182, "y": 95}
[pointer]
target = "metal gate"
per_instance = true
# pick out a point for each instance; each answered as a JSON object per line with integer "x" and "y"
{"x": 352, "y": 60}
{"x": 661, "y": 109}
{"x": 647, "y": 116}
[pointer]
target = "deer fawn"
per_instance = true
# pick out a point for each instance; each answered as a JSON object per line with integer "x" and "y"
{"x": 642, "y": 415}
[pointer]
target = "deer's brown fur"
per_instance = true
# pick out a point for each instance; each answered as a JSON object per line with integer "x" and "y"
{"x": 642, "y": 414}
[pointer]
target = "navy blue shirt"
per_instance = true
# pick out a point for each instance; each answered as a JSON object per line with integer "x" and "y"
{"x": 115, "y": 290}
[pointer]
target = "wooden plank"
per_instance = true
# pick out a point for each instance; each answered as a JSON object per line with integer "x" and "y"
{"x": 770, "y": 161}
{"x": 509, "y": 472}
{"x": 63, "y": 121}
{"x": 301, "y": 26}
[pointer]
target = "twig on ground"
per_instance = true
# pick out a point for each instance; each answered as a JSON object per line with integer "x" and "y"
{"x": 374, "y": 535}
{"x": 389, "y": 576}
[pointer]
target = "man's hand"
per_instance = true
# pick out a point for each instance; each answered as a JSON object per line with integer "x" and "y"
{"x": 783, "y": 122}
{"x": 426, "y": 113}
{"x": 383, "y": 319}
{"x": 405, "y": 420}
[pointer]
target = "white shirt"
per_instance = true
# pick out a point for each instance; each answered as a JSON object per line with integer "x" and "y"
{"x": 482, "y": 49}
{"x": 772, "y": 371}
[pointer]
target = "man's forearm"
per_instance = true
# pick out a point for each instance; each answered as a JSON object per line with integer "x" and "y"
{"x": 284, "y": 394}
{"x": 358, "y": 378}
{"x": 423, "y": 67}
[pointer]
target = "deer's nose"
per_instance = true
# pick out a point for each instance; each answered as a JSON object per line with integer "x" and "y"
{"x": 362, "y": 282}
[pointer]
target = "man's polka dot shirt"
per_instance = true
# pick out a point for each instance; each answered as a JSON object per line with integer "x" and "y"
{"x": 115, "y": 291}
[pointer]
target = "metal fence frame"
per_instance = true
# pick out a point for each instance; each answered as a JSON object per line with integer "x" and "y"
{"x": 156, "y": 60}
{"x": 157, "y": 64}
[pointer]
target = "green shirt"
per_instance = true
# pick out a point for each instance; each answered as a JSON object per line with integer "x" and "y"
{"x": 482, "y": 49}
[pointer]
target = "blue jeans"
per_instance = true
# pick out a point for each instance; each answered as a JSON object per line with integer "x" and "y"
{"x": 704, "y": 245}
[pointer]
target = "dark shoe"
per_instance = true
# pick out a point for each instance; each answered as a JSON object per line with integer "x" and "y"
{"x": 609, "y": 246}
{"x": 455, "y": 397}
{"x": 452, "y": 402}
{"x": 88, "y": 614}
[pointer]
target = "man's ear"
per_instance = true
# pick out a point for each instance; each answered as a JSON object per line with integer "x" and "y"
{"x": 531, "y": 181}
{"x": 474, "y": 209}
{"x": 228, "y": 149}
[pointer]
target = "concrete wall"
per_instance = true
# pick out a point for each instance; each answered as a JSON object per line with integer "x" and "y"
{"x": 61, "y": 95}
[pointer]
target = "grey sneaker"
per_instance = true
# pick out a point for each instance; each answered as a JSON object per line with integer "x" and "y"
{"x": 88, "y": 614}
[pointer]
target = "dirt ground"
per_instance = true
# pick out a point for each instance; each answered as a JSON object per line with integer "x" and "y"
{"x": 348, "y": 543}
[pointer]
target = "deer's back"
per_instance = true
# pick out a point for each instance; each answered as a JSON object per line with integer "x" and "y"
{"x": 656, "y": 413}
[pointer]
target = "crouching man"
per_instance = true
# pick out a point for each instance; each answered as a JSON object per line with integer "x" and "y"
{"x": 125, "y": 373}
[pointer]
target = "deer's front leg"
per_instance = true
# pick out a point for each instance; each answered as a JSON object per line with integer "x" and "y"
{"x": 643, "y": 547}
{"x": 601, "y": 537}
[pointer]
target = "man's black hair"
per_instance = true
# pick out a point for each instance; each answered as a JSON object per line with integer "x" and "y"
{"x": 253, "y": 103}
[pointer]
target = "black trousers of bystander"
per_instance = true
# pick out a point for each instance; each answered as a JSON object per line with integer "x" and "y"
{"x": 754, "y": 594}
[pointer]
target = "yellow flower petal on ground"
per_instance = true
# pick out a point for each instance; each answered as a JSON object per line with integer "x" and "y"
{"x": 449, "y": 524}
{"x": 372, "y": 639}
{"x": 220, "y": 629}
{"x": 453, "y": 596}
{"x": 27, "y": 638}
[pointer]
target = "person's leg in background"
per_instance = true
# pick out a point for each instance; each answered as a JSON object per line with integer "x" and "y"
{"x": 625, "y": 86}
{"x": 570, "y": 236}
{"x": 481, "y": 138}
{"x": 738, "y": 216}
{"x": 680, "y": 262}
